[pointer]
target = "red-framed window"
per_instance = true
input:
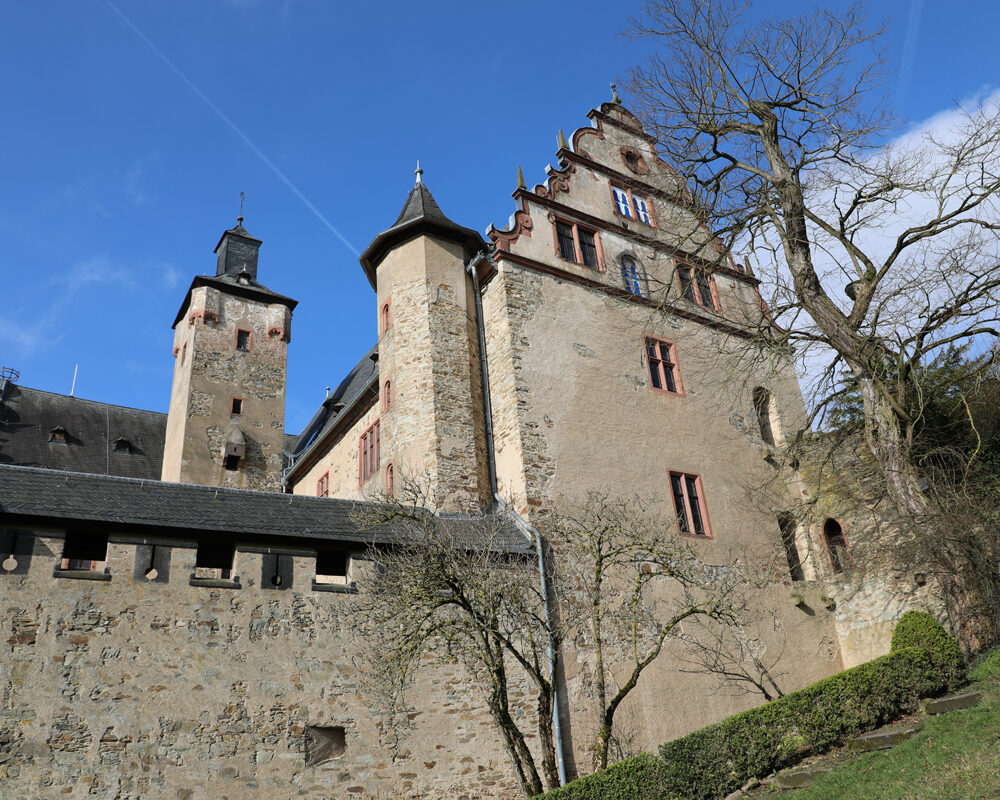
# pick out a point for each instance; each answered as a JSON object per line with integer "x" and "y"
{"x": 368, "y": 453}
{"x": 689, "y": 504}
{"x": 236, "y": 406}
{"x": 385, "y": 317}
{"x": 386, "y": 395}
{"x": 661, "y": 358}
{"x": 633, "y": 206}
{"x": 323, "y": 485}
{"x": 698, "y": 286}
{"x": 579, "y": 244}
{"x": 244, "y": 340}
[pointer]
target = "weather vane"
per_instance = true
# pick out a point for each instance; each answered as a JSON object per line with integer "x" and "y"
{"x": 243, "y": 196}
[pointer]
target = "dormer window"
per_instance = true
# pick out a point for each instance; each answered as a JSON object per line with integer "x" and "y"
{"x": 122, "y": 445}
{"x": 59, "y": 435}
{"x": 243, "y": 340}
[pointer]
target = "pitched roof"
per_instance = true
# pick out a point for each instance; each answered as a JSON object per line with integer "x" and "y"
{"x": 184, "y": 511}
{"x": 230, "y": 284}
{"x": 29, "y": 416}
{"x": 420, "y": 214}
{"x": 340, "y": 402}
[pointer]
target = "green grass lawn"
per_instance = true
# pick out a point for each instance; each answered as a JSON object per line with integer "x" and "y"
{"x": 956, "y": 756}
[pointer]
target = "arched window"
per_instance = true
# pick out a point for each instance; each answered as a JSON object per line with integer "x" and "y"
{"x": 633, "y": 277}
{"x": 836, "y": 544}
{"x": 386, "y": 395}
{"x": 787, "y": 524}
{"x": 762, "y": 407}
{"x": 384, "y": 318}
{"x": 390, "y": 479}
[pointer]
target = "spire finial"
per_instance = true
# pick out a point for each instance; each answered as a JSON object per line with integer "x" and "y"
{"x": 614, "y": 95}
{"x": 520, "y": 178}
{"x": 239, "y": 219}
{"x": 418, "y": 172}
{"x": 562, "y": 140}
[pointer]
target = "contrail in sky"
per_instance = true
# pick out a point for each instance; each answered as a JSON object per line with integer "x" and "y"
{"x": 909, "y": 49}
{"x": 246, "y": 139}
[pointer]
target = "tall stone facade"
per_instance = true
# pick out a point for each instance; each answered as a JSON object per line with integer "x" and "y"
{"x": 226, "y": 423}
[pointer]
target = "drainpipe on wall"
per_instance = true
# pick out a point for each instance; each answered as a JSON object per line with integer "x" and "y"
{"x": 531, "y": 533}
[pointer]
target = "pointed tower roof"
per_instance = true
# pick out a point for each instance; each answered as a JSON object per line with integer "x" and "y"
{"x": 420, "y": 215}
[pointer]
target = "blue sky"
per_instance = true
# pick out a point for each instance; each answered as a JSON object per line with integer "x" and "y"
{"x": 129, "y": 129}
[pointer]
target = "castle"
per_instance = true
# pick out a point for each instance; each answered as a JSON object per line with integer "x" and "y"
{"x": 175, "y": 587}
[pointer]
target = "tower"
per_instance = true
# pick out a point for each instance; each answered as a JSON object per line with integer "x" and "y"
{"x": 226, "y": 422}
{"x": 431, "y": 425}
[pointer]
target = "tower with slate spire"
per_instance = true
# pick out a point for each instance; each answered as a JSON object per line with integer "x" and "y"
{"x": 226, "y": 422}
{"x": 431, "y": 426}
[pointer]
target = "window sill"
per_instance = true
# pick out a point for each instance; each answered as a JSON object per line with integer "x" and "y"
{"x": 82, "y": 574}
{"x": 215, "y": 583}
{"x": 336, "y": 588}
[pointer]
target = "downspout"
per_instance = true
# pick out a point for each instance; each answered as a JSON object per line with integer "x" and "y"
{"x": 531, "y": 533}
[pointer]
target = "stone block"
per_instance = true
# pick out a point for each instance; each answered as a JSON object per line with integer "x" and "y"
{"x": 798, "y": 778}
{"x": 882, "y": 740}
{"x": 953, "y": 702}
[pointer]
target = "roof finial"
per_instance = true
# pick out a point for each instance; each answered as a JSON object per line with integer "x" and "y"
{"x": 614, "y": 95}
{"x": 520, "y": 178}
{"x": 418, "y": 172}
{"x": 562, "y": 140}
{"x": 239, "y": 219}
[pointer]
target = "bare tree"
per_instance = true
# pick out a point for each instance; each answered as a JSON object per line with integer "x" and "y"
{"x": 450, "y": 588}
{"x": 625, "y": 583}
{"x": 872, "y": 254}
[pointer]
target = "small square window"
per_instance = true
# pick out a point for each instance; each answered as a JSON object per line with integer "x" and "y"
{"x": 232, "y": 463}
{"x": 243, "y": 341}
{"x": 236, "y": 406}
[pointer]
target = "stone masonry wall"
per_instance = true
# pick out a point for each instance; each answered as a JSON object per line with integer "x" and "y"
{"x": 136, "y": 690}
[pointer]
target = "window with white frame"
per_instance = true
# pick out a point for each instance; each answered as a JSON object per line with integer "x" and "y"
{"x": 631, "y": 205}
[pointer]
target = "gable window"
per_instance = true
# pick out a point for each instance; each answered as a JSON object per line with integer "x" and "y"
{"x": 236, "y": 406}
{"x": 692, "y": 514}
{"x": 368, "y": 453}
{"x": 661, "y": 356}
{"x": 243, "y": 340}
{"x": 836, "y": 545}
{"x": 633, "y": 276}
{"x": 323, "y": 485}
{"x": 697, "y": 286}
{"x": 578, "y": 244}
{"x": 384, "y": 318}
{"x": 632, "y": 206}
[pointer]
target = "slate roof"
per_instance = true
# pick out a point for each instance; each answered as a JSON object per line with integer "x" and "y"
{"x": 28, "y": 416}
{"x": 420, "y": 214}
{"x": 252, "y": 290}
{"x": 184, "y": 511}
{"x": 340, "y": 402}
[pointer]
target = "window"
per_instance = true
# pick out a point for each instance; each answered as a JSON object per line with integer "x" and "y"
{"x": 836, "y": 544}
{"x": 323, "y": 485}
{"x": 333, "y": 567}
{"x": 786, "y": 523}
{"x": 243, "y": 340}
{"x": 324, "y": 744}
{"x": 696, "y": 286}
{"x": 577, "y": 244}
{"x": 236, "y": 406}
{"x": 633, "y": 276}
{"x": 692, "y": 514}
{"x": 184, "y": 352}
{"x": 122, "y": 445}
{"x": 232, "y": 462}
{"x": 384, "y": 318}
{"x": 390, "y": 479}
{"x": 762, "y": 408}
{"x": 59, "y": 434}
{"x": 663, "y": 372}
{"x": 631, "y": 206}
{"x": 84, "y": 552}
{"x": 368, "y": 453}
{"x": 214, "y": 561}
{"x": 386, "y": 395}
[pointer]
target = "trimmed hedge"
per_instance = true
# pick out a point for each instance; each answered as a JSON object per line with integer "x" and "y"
{"x": 920, "y": 629}
{"x": 638, "y": 777}
{"x": 714, "y": 761}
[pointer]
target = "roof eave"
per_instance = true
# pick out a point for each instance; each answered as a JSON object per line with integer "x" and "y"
{"x": 399, "y": 234}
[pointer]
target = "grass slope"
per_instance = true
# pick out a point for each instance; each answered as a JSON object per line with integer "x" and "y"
{"x": 955, "y": 757}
